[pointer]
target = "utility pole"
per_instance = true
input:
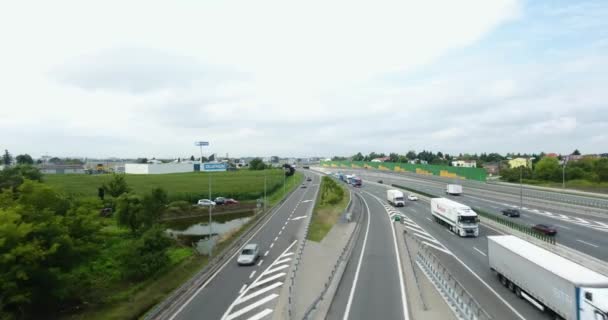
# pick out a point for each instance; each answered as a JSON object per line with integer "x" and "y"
{"x": 521, "y": 188}
{"x": 565, "y": 160}
{"x": 210, "y": 220}
{"x": 284, "y": 184}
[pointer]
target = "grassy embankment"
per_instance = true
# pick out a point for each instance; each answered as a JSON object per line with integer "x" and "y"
{"x": 331, "y": 203}
{"x": 125, "y": 300}
{"x": 582, "y": 185}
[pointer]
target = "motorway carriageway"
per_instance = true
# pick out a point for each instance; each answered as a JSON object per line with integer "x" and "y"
{"x": 372, "y": 285}
{"x": 465, "y": 258}
{"x": 584, "y": 233}
{"x": 251, "y": 292}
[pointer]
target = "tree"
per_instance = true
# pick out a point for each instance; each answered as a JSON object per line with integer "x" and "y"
{"x": 155, "y": 203}
{"x": 601, "y": 169}
{"x": 576, "y": 152}
{"x": 7, "y": 158}
{"x": 393, "y": 157}
{"x": 358, "y": 157}
{"x": 411, "y": 155}
{"x": 192, "y": 158}
{"x": 547, "y": 169}
{"x": 147, "y": 256}
{"x": 13, "y": 177}
{"x": 117, "y": 185}
{"x": 130, "y": 212}
{"x": 257, "y": 164}
{"x": 55, "y": 160}
{"x": 141, "y": 160}
{"x": 24, "y": 159}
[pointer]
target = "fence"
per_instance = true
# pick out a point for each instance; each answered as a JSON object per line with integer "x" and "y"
{"x": 516, "y": 226}
{"x": 459, "y": 299}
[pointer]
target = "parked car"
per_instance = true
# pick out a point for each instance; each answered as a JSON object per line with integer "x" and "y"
{"x": 219, "y": 200}
{"x": 206, "y": 203}
{"x": 412, "y": 197}
{"x": 249, "y": 255}
{"x": 510, "y": 212}
{"x": 229, "y": 201}
{"x": 545, "y": 229}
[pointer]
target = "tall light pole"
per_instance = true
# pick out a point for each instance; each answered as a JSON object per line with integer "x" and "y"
{"x": 565, "y": 161}
{"x": 264, "y": 191}
{"x": 210, "y": 219}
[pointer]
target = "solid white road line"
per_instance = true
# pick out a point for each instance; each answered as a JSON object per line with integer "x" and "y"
{"x": 276, "y": 269}
{"x": 252, "y": 306}
{"x": 286, "y": 254}
{"x": 260, "y": 263}
{"x": 425, "y": 237}
{"x": 588, "y": 243}
{"x": 261, "y": 315}
{"x": 437, "y": 247}
{"x": 481, "y": 252}
{"x": 581, "y": 220}
{"x": 259, "y": 292}
{"x": 243, "y": 288}
{"x": 181, "y": 308}
{"x": 354, "y": 286}
{"x": 282, "y": 261}
{"x": 406, "y": 314}
{"x": 252, "y": 274}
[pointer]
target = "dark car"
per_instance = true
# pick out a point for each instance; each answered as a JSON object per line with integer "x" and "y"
{"x": 510, "y": 212}
{"x": 309, "y": 179}
{"x": 303, "y": 186}
{"x": 229, "y": 201}
{"x": 380, "y": 181}
{"x": 220, "y": 201}
{"x": 545, "y": 229}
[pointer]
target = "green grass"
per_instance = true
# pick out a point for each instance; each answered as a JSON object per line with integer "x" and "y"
{"x": 325, "y": 215}
{"x": 582, "y": 185}
{"x": 242, "y": 184}
{"x": 132, "y": 301}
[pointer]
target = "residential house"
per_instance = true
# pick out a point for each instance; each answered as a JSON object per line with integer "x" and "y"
{"x": 492, "y": 168}
{"x": 520, "y": 162}
{"x": 383, "y": 159}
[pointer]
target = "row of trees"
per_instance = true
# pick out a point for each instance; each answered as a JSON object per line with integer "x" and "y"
{"x": 58, "y": 254}
{"x": 550, "y": 169}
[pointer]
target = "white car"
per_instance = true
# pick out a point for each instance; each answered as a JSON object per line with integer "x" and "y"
{"x": 412, "y": 197}
{"x": 206, "y": 203}
{"x": 249, "y": 255}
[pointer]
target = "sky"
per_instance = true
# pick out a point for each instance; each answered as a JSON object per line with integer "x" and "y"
{"x": 302, "y": 78}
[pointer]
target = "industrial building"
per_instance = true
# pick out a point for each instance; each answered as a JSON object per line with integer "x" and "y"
{"x": 180, "y": 167}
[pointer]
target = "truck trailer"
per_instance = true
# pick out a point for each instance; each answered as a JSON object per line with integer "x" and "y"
{"x": 459, "y": 218}
{"x": 453, "y": 189}
{"x": 550, "y": 282}
{"x": 395, "y": 197}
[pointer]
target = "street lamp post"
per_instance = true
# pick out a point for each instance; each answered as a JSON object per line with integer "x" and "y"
{"x": 210, "y": 220}
{"x": 564, "y": 173}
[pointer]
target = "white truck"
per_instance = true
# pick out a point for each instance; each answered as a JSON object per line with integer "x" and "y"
{"x": 459, "y": 218}
{"x": 552, "y": 283}
{"x": 453, "y": 189}
{"x": 395, "y": 197}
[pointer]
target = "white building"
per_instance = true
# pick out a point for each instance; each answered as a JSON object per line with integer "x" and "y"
{"x": 465, "y": 163}
{"x": 62, "y": 169}
{"x": 158, "y": 168}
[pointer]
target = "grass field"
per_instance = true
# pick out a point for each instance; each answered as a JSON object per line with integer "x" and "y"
{"x": 582, "y": 185}
{"x": 325, "y": 215}
{"x": 242, "y": 184}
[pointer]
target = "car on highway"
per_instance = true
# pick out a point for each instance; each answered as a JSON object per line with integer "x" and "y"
{"x": 380, "y": 181}
{"x": 510, "y": 212}
{"x": 303, "y": 186}
{"x": 219, "y": 200}
{"x": 229, "y": 201}
{"x": 309, "y": 179}
{"x": 545, "y": 229}
{"x": 412, "y": 197}
{"x": 206, "y": 203}
{"x": 249, "y": 255}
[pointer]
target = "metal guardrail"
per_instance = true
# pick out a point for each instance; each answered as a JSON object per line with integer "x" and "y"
{"x": 344, "y": 254}
{"x": 460, "y": 300}
{"x": 190, "y": 286}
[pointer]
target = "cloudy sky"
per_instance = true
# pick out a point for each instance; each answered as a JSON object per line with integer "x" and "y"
{"x": 298, "y": 78}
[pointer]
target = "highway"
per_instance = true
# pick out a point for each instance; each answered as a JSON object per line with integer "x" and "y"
{"x": 466, "y": 258}
{"x": 577, "y": 228}
{"x": 251, "y": 292}
{"x": 372, "y": 285}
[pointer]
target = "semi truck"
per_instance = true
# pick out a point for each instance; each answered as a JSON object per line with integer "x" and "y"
{"x": 453, "y": 189}
{"x": 457, "y": 217}
{"x": 550, "y": 282}
{"x": 395, "y": 197}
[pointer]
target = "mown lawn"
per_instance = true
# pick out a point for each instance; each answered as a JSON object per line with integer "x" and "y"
{"x": 330, "y": 205}
{"x": 582, "y": 185}
{"x": 242, "y": 184}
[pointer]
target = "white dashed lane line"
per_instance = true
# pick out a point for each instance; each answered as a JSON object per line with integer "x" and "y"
{"x": 265, "y": 254}
{"x": 252, "y": 274}
{"x": 588, "y": 243}
{"x": 243, "y": 288}
{"x": 480, "y": 252}
{"x": 260, "y": 263}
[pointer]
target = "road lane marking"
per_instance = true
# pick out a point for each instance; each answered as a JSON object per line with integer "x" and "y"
{"x": 243, "y": 288}
{"x": 588, "y": 243}
{"x": 275, "y": 238}
{"x": 437, "y": 247}
{"x": 261, "y": 315}
{"x": 298, "y": 218}
{"x": 252, "y": 306}
{"x": 271, "y": 245}
{"x": 282, "y": 261}
{"x": 429, "y": 219}
{"x": 260, "y": 263}
{"x": 562, "y": 226}
{"x": 259, "y": 292}
{"x": 276, "y": 276}
{"x": 252, "y": 274}
{"x": 481, "y": 252}
{"x": 275, "y": 269}
{"x": 355, "y": 280}
{"x": 280, "y": 232}
{"x": 187, "y": 302}
{"x": 306, "y": 201}
{"x": 601, "y": 224}
{"x": 286, "y": 254}
{"x": 265, "y": 254}
{"x": 426, "y": 237}
{"x": 580, "y": 220}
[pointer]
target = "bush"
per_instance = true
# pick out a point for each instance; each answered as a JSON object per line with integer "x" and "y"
{"x": 147, "y": 256}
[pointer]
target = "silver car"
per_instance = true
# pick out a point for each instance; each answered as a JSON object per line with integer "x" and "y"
{"x": 249, "y": 255}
